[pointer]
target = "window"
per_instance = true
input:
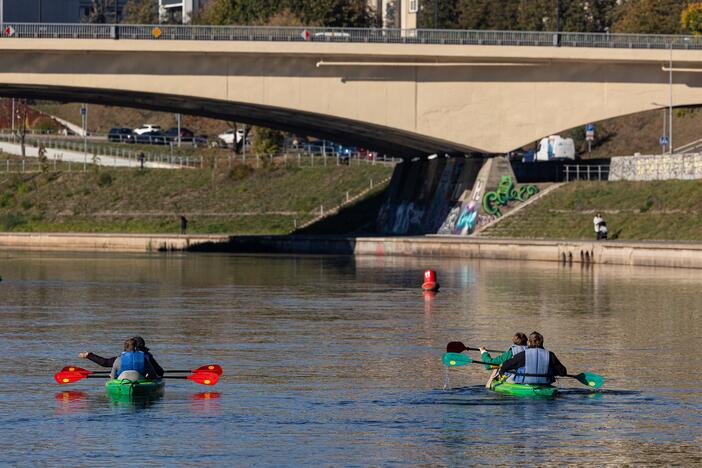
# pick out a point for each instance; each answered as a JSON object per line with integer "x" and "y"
{"x": 413, "y": 6}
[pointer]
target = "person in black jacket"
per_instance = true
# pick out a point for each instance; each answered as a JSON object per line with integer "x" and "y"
{"x": 108, "y": 362}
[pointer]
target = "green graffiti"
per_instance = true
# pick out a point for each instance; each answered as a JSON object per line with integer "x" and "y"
{"x": 506, "y": 192}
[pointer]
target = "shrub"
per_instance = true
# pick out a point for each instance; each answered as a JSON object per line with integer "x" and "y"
{"x": 105, "y": 179}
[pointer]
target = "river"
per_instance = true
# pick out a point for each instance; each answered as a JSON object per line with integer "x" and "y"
{"x": 336, "y": 361}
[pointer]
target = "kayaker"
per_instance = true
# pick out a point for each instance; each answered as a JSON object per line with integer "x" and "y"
{"x": 535, "y": 365}
{"x": 108, "y": 362}
{"x": 132, "y": 364}
{"x": 519, "y": 344}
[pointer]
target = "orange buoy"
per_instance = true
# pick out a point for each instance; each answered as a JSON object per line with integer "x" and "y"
{"x": 430, "y": 283}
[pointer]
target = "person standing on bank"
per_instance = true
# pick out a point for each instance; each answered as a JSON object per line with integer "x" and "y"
{"x": 596, "y": 221}
{"x": 535, "y": 365}
{"x": 183, "y": 224}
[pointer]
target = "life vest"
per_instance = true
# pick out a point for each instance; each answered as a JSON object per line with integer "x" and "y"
{"x": 535, "y": 370}
{"x": 133, "y": 360}
{"x": 516, "y": 349}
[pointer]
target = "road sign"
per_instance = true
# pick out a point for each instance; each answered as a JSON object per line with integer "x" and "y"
{"x": 590, "y": 132}
{"x": 305, "y": 35}
{"x": 83, "y": 110}
{"x": 663, "y": 140}
{"x": 9, "y": 31}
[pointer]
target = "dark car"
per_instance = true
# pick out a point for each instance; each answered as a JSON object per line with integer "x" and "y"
{"x": 119, "y": 134}
{"x": 150, "y": 138}
{"x": 185, "y": 134}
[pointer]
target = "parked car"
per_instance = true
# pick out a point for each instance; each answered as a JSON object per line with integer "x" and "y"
{"x": 230, "y": 136}
{"x": 120, "y": 134}
{"x": 147, "y": 128}
{"x": 150, "y": 138}
{"x": 201, "y": 140}
{"x": 186, "y": 135}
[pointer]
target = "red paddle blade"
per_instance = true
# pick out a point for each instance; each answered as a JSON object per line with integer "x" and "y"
{"x": 204, "y": 378}
{"x": 68, "y": 377}
{"x": 76, "y": 369}
{"x": 211, "y": 368}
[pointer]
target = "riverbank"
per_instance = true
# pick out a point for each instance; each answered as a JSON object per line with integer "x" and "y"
{"x": 651, "y": 254}
{"x": 234, "y": 198}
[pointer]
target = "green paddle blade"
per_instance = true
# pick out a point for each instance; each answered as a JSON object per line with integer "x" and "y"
{"x": 590, "y": 379}
{"x": 455, "y": 359}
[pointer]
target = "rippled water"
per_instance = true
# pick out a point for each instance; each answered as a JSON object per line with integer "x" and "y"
{"x": 336, "y": 361}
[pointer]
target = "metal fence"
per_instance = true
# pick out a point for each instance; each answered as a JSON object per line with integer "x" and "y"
{"x": 358, "y": 35}
{"x": 585, "y": 172}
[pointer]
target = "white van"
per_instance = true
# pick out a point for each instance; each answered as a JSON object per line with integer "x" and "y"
{"x": 555, "y": 147}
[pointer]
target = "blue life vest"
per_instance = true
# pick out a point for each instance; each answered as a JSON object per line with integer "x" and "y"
{"x": 516, "y": 349}
{"x": 133, "y": 360}
{"x": 535, "y": 370}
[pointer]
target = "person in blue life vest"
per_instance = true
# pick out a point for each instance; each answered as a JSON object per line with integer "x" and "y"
{"x": 108, "y": 362}
{"x": 534, "y": 365}
{"x": 132, "y": 364}
{"x": 519, "y": 344}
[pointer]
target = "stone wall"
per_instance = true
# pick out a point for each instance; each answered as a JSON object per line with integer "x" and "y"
{"x": 656, "y": 167}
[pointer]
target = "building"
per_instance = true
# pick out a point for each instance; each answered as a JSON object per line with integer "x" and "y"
{"x": 180, "y": 11}
{"x": 396, "y": 13}
{"x": 39, "y": 11}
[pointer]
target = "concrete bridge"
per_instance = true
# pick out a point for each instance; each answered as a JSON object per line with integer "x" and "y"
{"x": 406, "y": 93}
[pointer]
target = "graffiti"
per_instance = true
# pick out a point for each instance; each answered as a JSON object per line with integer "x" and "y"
{"x": 506, "y": 192}
{"x": 467, "y": 220}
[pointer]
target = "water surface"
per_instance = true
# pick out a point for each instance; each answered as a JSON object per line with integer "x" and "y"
{"x": 336, "y": 361}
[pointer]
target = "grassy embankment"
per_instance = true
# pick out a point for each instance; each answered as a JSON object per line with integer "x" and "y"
{"x": 661, "y": 210}
{"x": 240, "y": 200}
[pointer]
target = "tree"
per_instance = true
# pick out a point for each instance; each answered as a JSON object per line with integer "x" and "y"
{"x": 266, "y": 141}
{"x": 649, "y": 16}
{"x": 102, "y": 11}
{"x": 140, "y": 12}
{"x": 337, "y": 13}
{"x": 691, "y": 18}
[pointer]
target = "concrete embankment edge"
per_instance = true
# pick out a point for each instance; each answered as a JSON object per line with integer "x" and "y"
{"x": 655, "y": 254}
{"x": 102, "y": 242}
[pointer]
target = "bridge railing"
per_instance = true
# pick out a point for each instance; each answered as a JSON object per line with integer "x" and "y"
{"x": 356, "y": 35}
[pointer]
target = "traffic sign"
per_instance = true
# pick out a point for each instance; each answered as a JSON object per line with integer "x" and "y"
{"x": 9, "y": 31}
{"x": 305, "y": 35}
{"x": 589, "y": 132}
{"x": 663, "y": 140}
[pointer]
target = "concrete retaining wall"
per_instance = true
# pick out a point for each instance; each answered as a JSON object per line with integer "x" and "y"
{"x": 656, "y": 167}
{"x": 102, "y": 242}
{"x": 659, "y": 254}
{"x": 656, "y": 254}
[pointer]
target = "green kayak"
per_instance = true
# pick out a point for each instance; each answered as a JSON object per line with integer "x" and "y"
{"x": 130, "y": 388}
{"x": 538, "y": 390}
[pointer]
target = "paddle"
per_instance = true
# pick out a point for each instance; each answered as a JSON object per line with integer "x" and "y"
{"x": 586, "y": 378}
{"x": 203, "y": 378}
{"x": 458, "y": 347}
{"x": 212, "y": 368}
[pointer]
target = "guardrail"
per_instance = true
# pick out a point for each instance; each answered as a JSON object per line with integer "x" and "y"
{"x": 302, "y": 34}
{"x": 586, "y": 172}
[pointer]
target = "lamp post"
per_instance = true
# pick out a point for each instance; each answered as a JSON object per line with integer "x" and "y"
{"x": 670, "y": 101}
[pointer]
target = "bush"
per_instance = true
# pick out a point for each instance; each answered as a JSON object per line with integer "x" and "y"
{"x": 105, "y": 179}
{"x": 9, "y": 221}
{"x": 239, "y": 172}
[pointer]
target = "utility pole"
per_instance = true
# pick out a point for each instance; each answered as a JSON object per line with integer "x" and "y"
{"x": 670, "y": 103}
{"x": 557, "y": 39}
{"x": 39, "y": 8}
